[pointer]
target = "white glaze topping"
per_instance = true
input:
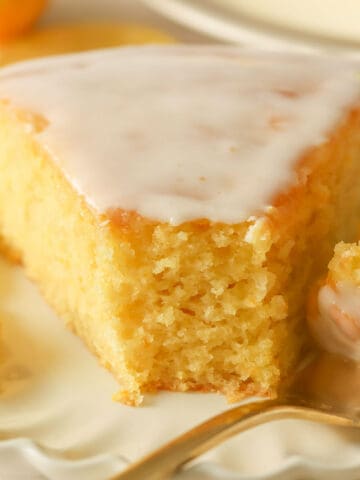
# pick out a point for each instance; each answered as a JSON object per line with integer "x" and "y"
{"x": 178, "y": 133}
{"x": 336, "y": 327}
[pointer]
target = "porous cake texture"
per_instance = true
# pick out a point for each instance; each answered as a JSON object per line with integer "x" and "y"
{"x": 173, "y": 205}
{"x": 345, "y": 264}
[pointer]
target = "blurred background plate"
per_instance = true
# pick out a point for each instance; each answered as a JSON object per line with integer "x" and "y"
{"x": 309, "y": 25}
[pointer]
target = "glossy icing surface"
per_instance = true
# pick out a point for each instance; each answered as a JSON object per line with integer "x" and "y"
{"x": 179, "y": 133}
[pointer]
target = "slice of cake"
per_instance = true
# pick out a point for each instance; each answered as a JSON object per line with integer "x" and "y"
{"x": 173, "y": 204}
{"x": 334, "y": 308}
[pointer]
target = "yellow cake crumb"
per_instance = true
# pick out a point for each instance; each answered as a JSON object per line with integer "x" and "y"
{"x": 345, "y": 264}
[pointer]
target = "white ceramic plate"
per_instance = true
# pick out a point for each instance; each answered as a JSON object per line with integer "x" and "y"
{"x": 309, "y": 25}
{"x": 57, "y": 417}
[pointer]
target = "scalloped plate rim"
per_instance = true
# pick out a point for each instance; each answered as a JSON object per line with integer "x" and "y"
{"x": 295, "y": 464}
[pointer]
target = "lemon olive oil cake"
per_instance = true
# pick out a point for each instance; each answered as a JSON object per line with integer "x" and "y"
{"x": 173, "y": 203}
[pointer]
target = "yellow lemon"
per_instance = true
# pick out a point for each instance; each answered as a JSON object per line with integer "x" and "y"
{"x": 16, "y": 16}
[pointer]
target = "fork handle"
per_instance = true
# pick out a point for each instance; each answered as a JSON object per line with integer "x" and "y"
{"x": 160, "y": 464}
{"x": 166, "y": 460}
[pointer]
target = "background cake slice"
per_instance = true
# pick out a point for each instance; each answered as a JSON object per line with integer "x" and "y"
{"x": 334, "y": 308}
{"x": 173, "y": 204}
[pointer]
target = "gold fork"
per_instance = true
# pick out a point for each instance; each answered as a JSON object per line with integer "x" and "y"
{"x": 326, "y": 389}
